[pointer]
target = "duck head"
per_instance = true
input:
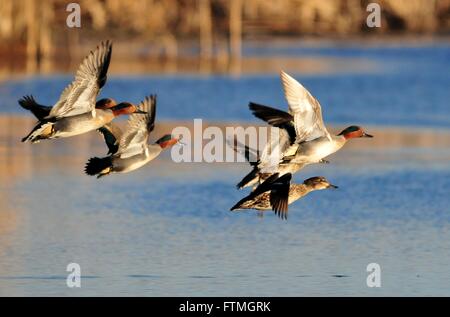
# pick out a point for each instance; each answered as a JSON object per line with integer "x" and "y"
{"x": 105, "y": 103}
{"x": 354, "y": 132}
{"x": 318, "y": 183}
{"x": 125, "y": 108}
{"x": 167, "y": 141}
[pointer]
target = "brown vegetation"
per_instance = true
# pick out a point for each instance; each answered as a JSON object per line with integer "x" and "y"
{"x": 32, "y": 32}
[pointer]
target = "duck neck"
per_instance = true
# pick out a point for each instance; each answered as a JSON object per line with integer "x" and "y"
{"x": 153, "y": 150}
{"x": 299, "y": 190}
{"x": 341, "y": 139}
{"x": 307, "y": 189}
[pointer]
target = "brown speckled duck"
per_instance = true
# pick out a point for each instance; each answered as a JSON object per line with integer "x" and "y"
{"x": 277, "y": 193}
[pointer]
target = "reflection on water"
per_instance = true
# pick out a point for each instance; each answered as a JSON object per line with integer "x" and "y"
{"x": 166, "y": 229}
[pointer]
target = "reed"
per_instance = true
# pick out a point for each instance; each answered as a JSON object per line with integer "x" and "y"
{"x": 34, "y": 32}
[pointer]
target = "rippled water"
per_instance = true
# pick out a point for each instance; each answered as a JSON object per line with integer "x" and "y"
{"x": 166, "y": 229}
{"x": 170, "y": 233}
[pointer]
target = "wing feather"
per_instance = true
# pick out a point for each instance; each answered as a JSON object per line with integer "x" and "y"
{"x": 111, "y": 134}
{"x": 39, "y": 111}
{"x": 305, "y": 109}
{"x": 279, "y": 196}
{"x": 279, "y": 193}
{"x": 251, "y": 155}
{"x": 80, "y": 95}
{"x": 274, "y": 150}
{"x": 134, "y": 139}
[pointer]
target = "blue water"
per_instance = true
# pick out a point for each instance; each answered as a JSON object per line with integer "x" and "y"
{"x": 166, "y": 229}
{"x": 410, "y": 87}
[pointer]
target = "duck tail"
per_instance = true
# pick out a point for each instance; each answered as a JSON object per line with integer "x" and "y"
{"x": 240, "y": 204}
{"x": 39, "y": 111}
{"x": 43, "y": 130}
{"x": 249, "y": 179}
{"x": 98, "y": 166}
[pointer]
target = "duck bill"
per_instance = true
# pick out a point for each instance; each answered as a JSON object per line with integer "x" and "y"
{"x": 366, "y": 135}
{"x": 332, "y": 186}
{"x": 179, "y": 140}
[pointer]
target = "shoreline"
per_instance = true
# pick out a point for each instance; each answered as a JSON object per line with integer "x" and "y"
{"x": 138, "y": 57}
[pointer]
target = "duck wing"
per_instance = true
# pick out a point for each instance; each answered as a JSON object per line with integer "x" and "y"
{"x": 80, "y": 95}
{"x": 279, "y": 195}
{"x": 39, "y": 111}
{"x": 271, "y": 115}
{"x": 251, "y": 155}
{"x": 275, "y": 117}
{"x": 264, "y": 187}
{"x": 274, "y": 150}
{"x": 134, "y": 140}
{"x": 305, "y": 110}
{"x": 111, "y": 134}
{"x": 277, "y": 148}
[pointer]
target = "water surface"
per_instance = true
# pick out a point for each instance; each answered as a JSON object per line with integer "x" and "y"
{"x": 166, "y": 229}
